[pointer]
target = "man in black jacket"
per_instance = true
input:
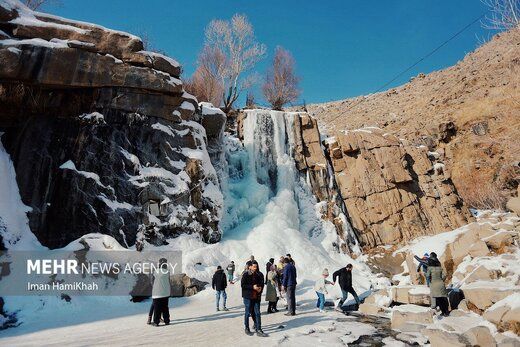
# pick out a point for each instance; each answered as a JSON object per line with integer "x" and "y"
{"x": 345, "y": 283}
{"x": 252, "y": 286}
{"x": 219, "y": 283}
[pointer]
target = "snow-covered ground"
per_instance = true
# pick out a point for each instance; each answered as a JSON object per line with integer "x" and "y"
{"x": 117, "y": 322}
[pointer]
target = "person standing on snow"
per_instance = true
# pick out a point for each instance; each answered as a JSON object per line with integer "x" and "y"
{"x": 271, "y": 287}
{"x": 268, "y": 268}
{"x": 344, "y": 276}
{"x": 230, "y": 271}
{"x": 219, "y": 283}
{"x": 436, "y": 277}
{"x": 161, "y": 291}
{"x": 252, "y": 284}
{"x": 321, "y": 289}
{"x": 289, "y": 286}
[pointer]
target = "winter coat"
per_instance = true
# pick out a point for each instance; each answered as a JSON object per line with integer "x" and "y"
{"x": 345, "y": 278}
{"x": 289, "y": 275}
{"x": 219, "y": 281}
{"x": 320, "y": 285}
{"x": 272, "y": 284}
{"x": 423, "y": 264}
{"x": 247, "y": 282}
{"x": 161, "y": 284}
{"x": 436, "y": 277}
{"x": 230, "y": 269}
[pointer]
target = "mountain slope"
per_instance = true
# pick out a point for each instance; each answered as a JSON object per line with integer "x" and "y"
{"x": 469, "y": 113}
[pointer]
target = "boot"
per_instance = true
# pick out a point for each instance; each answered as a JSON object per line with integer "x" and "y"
{"x": 149, "y": 320}
{"x": 274, "y": 305}
{"x": 248, "y": 332}
{"x": 261, "y": 333}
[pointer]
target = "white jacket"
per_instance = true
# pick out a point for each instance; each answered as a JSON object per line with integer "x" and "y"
{"x": 320, "y": 285}
{"x": 161, "y": 284}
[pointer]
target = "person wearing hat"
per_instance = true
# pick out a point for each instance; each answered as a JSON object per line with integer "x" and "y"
{"x": 423, "y": 265}
{"x": 321, "y": 289}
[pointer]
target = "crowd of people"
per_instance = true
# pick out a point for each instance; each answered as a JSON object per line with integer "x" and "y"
{"x": 280, "y": 283}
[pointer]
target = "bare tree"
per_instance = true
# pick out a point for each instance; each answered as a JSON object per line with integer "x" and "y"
{"x": 37, "y": 4}
{"x": 250, "y": 100}
{"x": 281, "y": 82}
{"x": 206, "y": 82}
{"x": 505, "y": 14}
{"x": 235, "y": 39}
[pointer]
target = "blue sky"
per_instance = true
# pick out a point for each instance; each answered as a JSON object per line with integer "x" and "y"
{"x": 342, "y": 48}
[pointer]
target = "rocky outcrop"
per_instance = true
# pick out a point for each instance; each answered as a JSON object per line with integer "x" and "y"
{"x": 102, "y": 136}
{"x": 393, "y": 192}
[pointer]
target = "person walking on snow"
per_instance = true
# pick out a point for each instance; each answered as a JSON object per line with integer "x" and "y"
{"x": 219, "y": 283}
{"x": 271, "y": 287}
{"x": 344, "y": 276}
{"x": 161, "y": 293}
{"x": 230, "y": 271}
{"x": 252, "y": 284}
{"x": 289, "y": 286}
{"x": 321, "y": 289}
{"x": 436, "y": 277}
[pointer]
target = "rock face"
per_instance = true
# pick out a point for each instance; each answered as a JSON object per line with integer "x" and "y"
{"x": 393, "y": 192}
{"x": 101, "y": 133}
{"x": 460, "y": 112}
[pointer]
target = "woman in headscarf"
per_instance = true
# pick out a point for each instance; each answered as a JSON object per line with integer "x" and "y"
{"x": 270, "y": 294}
{"x": 436, "y": 277}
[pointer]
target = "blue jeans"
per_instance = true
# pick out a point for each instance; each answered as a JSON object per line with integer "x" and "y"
{"x": 253, "y": 305}
{"x": 344, "y": 294}
{"x": 321, "y": 300}
{"x": 224, "y": 296}
{"x": 230, "y": 277}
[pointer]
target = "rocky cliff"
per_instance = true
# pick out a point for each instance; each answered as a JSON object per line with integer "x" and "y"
{"x": 468, "y": 113}
{"x": 386, "y": 190}
{"x": 101, "y": 134}
{"x": 393, "y": 192}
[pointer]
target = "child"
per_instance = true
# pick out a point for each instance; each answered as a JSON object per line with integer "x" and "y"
{"x": 321, "y": 290}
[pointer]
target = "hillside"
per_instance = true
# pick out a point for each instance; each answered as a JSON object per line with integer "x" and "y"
{"x": 469, "y": 113}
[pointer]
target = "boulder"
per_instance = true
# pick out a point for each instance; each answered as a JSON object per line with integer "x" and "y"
{"x": 443, "y": 338}
{"x": 501, "y": 239}
{"x": 371, "y": 309}
{"x": 505, "y": 314}
{"x": 513, "y": 205}
{"x": 183, "y": 285}
{"x": 484, "y": 294}
{"x": 479, "y": 336}
{"x": 410, "y": 313}
{"x": 417, "y": 295}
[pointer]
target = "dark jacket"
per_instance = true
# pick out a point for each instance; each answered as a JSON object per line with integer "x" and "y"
{"x": 345, "y": 278}
{"x": 247, "y": 282}
{"x": 289, "y": 275}
{"x": 219, "y": 281}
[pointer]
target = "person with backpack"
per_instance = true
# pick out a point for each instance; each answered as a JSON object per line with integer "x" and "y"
{"x": 344, "y": 276}
{"x": 436, "y": 278}
{"x": 252, "y": 284}
{"x": 219, "y": 284}
{"x": 230, "y": 271}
